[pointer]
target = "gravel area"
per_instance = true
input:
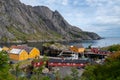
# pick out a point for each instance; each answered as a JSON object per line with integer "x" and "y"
{"x": 64, "y": 71}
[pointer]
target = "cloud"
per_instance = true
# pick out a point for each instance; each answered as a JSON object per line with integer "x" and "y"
{"x": 92, "y": 15}
{"x": 31, "y": 2}
{"x": 65, "y": 2}
{"x": 108, "y": 20}
{"x": 75, "y": 2}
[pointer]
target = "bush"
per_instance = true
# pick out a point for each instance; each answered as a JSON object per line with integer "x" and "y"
{"x": 109, "y": 71}
{"x": 114, "y": 48}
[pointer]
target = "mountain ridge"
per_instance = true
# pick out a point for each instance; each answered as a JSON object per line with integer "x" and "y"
{"x": 20, "y": 22}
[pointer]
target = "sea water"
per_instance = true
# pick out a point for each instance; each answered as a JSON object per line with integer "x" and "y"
{"x": 99, "y": 43}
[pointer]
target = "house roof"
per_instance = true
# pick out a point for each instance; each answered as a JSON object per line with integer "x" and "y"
{"x": 67, "y": 61}
{"x": 103, "y": 51}
{"x": 25, "y": 47}
{"x": 15, "y": 51}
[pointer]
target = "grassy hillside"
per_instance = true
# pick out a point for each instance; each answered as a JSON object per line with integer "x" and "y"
{"x": 112, "y": 48}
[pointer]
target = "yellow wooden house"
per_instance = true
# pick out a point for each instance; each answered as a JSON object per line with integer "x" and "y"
{"x": 32, "y": 51}
{"x": 18, "y": 54}
{"x": 77, "y": 48}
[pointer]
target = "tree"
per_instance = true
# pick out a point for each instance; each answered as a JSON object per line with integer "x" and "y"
{"x": 17, "y": 71}
{"x": 57, "y": 75}
{"x": 114, "y": 48}
{"x": 38, "y": 74}
{"x": 68, "y": 77}
{"x": 4, "y": 60}
{"x": 37, "y": 71}
{"x": 23, "y": 78}
{"x": 45, "y": 58}
{"x": 108, "y": 71}
{"x": 74, "y": 74}
{"x": 89, "y": 47}
{"x": 4, "y": 67}
{"x": 45, "y": 78}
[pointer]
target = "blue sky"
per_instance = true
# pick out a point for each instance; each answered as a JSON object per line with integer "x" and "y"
{"x": 100, "y": 16}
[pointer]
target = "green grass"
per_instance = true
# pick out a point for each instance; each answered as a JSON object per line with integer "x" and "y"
{"x": 112, "y": 48}
{"x": 22, "y": 63}
{"x": 19, "y": 35}
{"x": 39, "y": 35}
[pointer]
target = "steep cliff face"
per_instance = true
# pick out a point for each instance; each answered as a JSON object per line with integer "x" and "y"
{"x": 22, "y": 22}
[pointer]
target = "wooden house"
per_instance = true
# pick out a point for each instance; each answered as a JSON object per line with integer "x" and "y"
{"x": 68, "y": 55}
{"x": 5, "y": 48}
{"x": 32, "y": 51}
{"x": 61, "y": 63}
{"x": 18, "y": 54}
{"x": 95, "y": 50}
{"x": 77, "y": 48}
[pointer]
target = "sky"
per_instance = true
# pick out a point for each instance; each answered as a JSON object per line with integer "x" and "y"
{"x": 100, "y": 16}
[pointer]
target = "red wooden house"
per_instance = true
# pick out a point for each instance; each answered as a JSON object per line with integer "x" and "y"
{"x": 61, "y": 62}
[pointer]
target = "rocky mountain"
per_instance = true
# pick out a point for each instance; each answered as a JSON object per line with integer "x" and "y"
{"x": 20, "y": 22}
